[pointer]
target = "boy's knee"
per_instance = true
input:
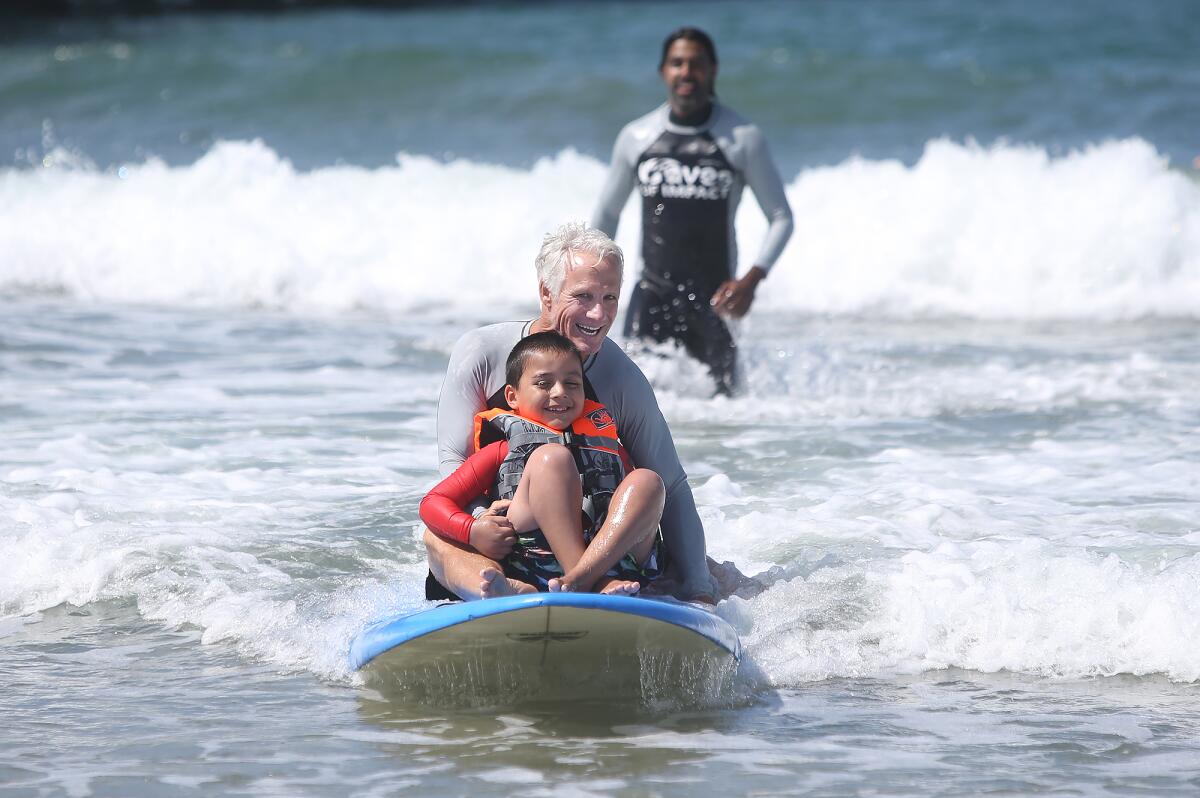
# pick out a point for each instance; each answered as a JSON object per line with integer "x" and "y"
{"x": 647, "y": 480}
{"x": 551, "y": 456}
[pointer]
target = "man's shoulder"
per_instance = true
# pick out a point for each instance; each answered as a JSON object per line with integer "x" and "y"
{"x": 493, "y": 333}
{"x": 738, "y": 136}
{"x": 485, "y": 343}
{"x": 615, "y": 376}
{"x": 730, "y": 121}
{"x": 612, "y": 357}
{"x": 646, "y": 127}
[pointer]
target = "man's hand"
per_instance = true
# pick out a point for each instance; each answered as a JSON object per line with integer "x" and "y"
{"x": 734, "y": 297}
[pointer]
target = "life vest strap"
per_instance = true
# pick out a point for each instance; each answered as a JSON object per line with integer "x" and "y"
{"x": 526, "y": 437}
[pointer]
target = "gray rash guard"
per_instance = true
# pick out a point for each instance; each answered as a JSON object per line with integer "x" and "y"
{"x": 691, "y": 181}
{"x": 476, "y": 372}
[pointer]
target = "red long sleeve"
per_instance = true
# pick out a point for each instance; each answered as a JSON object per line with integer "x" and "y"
{"x": 441, "y": 509}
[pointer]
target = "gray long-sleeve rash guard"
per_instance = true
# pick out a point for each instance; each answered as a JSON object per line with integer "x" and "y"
{"x": 476, "y": 372}
{"x": 667, "y": 162}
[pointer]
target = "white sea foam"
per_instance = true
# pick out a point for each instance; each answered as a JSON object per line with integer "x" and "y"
{"x": 1037, "y": 559}
{"x": 192, "y": 500}
{"x": 845, "y": 380}
{"x": 951, "y": 497}
{"x": 185, "y": 565}
{"x": 921, "y": 578}
{"x": 999, "y": 232}
{"x": 988, "y": 606}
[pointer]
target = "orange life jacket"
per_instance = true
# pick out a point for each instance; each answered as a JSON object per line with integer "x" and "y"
{"x": 592, "y": 439}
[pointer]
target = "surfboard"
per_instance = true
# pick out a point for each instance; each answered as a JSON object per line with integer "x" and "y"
{"x": 550, "y": 645}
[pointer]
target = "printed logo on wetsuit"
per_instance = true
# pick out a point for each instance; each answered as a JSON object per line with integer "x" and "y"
{"x": 600, "y": 418}
{"x": 670, "y": 179}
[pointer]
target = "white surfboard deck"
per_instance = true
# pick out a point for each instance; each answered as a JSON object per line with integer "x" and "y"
{"x": 550, "y": 645}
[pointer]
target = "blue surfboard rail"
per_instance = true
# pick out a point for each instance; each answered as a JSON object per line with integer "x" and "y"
{"x": 386, "y": 635}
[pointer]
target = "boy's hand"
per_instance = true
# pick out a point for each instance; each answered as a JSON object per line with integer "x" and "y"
{"x": 493, "y": 536}
{"x": 498, "y": 507}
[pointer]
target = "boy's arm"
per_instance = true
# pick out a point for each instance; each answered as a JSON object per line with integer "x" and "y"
{"x": 442, "y": 508}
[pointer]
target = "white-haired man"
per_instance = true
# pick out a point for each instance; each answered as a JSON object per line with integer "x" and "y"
{"x": 579, "y": 282}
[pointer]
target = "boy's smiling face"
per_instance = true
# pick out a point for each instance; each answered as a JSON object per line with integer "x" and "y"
{"x": 550, "y": 390}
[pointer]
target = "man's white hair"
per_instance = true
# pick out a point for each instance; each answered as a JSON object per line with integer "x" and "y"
{"x": 577, "y": 237}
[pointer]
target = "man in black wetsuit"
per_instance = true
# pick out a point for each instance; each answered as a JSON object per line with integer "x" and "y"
{"x": 690, "y": 159}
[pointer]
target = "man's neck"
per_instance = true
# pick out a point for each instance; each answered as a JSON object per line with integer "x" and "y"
{"x": 695, "y": 118}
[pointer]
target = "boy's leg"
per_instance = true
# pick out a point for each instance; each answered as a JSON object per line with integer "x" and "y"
{"x": 550, "y": 498}
{"x": 633, "y": 516}
{"x": 467, "y": 573}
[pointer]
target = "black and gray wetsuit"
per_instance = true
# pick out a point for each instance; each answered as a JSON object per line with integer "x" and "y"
{"x": 691, "y": 181}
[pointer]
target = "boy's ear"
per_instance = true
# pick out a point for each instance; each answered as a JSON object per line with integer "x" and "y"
{"x": 510, "y": 396}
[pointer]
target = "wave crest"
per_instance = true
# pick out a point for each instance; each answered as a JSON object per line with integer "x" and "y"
{"x": 1110, "y": 232}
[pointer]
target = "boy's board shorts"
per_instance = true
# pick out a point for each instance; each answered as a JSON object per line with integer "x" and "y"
{"x": 534, "y": 563}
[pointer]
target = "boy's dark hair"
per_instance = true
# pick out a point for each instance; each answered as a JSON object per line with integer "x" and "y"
{"x": 547, "y": 342}
{"x": 692, "y": 35}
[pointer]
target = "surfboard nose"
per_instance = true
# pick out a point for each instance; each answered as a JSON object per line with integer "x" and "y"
{"x": 550, "y": 645}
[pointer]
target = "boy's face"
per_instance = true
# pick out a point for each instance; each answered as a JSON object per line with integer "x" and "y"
{"x": 550, "y": 391}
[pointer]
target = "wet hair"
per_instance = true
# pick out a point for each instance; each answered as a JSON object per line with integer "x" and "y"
{"x": 548, "y": 342}
{"x": 692, "y": 35}
{"x": 552, "y": 259}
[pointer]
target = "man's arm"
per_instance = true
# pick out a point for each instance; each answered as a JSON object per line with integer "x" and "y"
{"x": 734, "y": 297}
{"x": 465, "y": 393}
{"x": 644, "y": 431}
{"x": 762, "y": 176}
{"x": 617, "y": 186}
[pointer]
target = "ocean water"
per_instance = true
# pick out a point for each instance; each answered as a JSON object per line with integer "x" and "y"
{"x": 235, "y": 251}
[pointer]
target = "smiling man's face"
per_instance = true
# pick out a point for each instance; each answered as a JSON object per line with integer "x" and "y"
{"x": 586, "y": 305}
{"x": 689, "y": 75}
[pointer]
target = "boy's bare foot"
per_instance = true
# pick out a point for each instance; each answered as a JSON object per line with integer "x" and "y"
{"x": 606, "y": 585}
{"x": 493, "y": 584}
{"x": 560, "y": 586}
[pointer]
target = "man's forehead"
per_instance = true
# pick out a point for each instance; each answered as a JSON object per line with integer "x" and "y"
{"x": 687, "y": 47}
{"x": 590, "y": 260}
{"x": 586, "y": 266}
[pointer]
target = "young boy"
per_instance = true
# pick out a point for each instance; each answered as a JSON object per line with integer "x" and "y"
{"x": 553, "y": 455}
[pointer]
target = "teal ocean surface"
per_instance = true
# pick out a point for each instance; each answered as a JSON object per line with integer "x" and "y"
{"x": 512, "y": 83}
{"x": 236, "y": 250}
